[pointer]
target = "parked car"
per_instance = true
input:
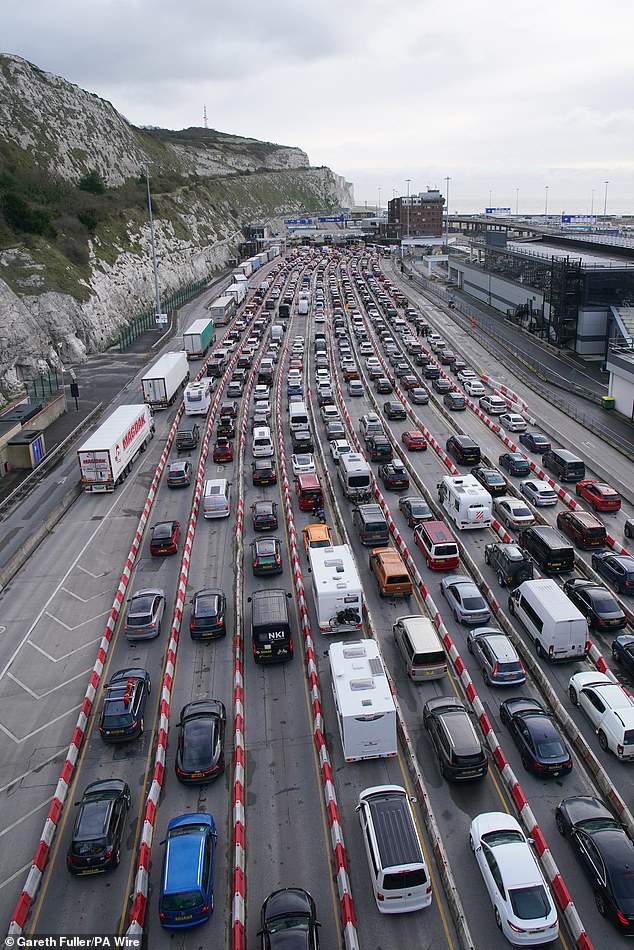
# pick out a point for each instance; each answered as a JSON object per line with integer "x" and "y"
{"x": 414, "y": 440}
{"x": 491, "y": 479}
{"x": 144, "y": 614}
{"x": 288, "y": 921}
{"x": 535, "y": 442}
{"x": 95, "y": 844}
{"x": 465, "y": 600}
{"x": 539, "y": 493}
{"x": 513, "y": 512}
{"x": 179, "y": 473}
{"x": 606, "y": 854}
{"x": 266, "y": 557}
{"x": 516, "y": 886}
{"x": 415, "y": 510}
{"x": 510, "y": 562}
{"x": 200, "y": 753}
{"x": 514, "y": 463}
{"x": 600, "y": 608}
{"x": 618, "y": 569}
{"x": 207, "y": 616}
{"x": 541, "y": 747}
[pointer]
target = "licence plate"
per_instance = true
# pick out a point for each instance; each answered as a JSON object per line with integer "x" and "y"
{"x": 197, "y": 774}
{"x": 116, "y": 732}
{"x": 554, "y": 564}
{"x": 540, "y": 931}
{"x": 190, "y": 916}
{"x": 91, "y": 871}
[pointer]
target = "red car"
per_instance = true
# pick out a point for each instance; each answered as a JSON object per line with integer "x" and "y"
{"x": 223, "y": 451}
{"x": 414, "y": 441}
{"x": 602, "y": 497}
{"x": 409, "y": 382}
{"x": 164, "y": 538}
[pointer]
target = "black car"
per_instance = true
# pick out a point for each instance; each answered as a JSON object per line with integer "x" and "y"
{"x": 96, "y": 842}
{"x": 514, "y": 463}
{"x": 302, "y": 440}
{"x": 200, "y": 755}
{"x": 264, "y": 514}
{"x": 179, "y": 473}
{"x": 456, "y": 744}
{"x": 616, "y": 568}
{"x": 463, "y": 449}
{"x": 600, "y": 608}
{"x": 494, "y": 483}
{"x": 536, "y": 736}
{"x": 441, "y": 384}
{"x": 263, "y": 472}
{"x": 605, "y": 853}
{"x": 266, "y": 557}
{"x": 510, "y": 562}
{"x": 207, "y": 618}
{"x": 394, "y": 475}
{"x": 124, "y": 705}
{"x": 418, "y": 396}
{"x": 383, "y": 385}
{"x": 379, "y": 447}
{"x": 623, "y": 651}
{"x": 225, "y": 428}
{"x": 394, "y": 410}
{"x": 288, "y": 920}
{"x": 415, "y": 510}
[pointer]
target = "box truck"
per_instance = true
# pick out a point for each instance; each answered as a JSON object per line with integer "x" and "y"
{"x": 107, "y": 455}
{"x": 365, "y": 708}
{"x": 238, "y": 290}
{"x": 337, "y": 588}
{"x": 162, "y": 382}
{"x": 222, "y": 309}
{"x": 245, "y": 268}
{"x": 198, "y": 339}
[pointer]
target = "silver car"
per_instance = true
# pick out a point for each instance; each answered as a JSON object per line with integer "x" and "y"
{"x": 145, "y": 613}
{"x": 496, "y": 656}
{"x": 467, "y": 603}
{"x": 538, "y": 492}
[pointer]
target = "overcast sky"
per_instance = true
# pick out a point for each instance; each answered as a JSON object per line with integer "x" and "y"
{"x": 499, "y": 95}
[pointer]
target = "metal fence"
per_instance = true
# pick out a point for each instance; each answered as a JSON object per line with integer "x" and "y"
{"x": 147, "y": 320}
{"x": 44, "y": 386}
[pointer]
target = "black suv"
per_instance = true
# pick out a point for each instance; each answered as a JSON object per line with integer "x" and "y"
{"x": 456, "y": 744}
{"x": 124, "y": 705}
{"x": 394, "y": 410}
{"x": 302, "y": 440}
{"x": 463, "y": 449}
{"x": 379, "y": 447}
{"x": 187, "y": 435}
{"x": 512, "y": 565}
{"x": 494, "y": 483}
{"x": 99, "y": 826}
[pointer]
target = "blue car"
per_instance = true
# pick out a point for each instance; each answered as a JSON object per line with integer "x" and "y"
{"x": 514, "y": 463}
{"x": 616, "y": 568}
{"x": 623, "y": 652}
{"x": 294, "y": 388}
{"x": 535, "y": 442}
{"x": 187, "y": 879}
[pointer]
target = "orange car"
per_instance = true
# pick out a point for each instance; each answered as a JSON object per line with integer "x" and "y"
{"x": 317, "y": 536}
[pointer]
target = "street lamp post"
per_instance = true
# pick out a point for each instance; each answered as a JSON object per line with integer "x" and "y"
{"x": 592, "y": 204}
{"x": 157, "y": 296}
{"x": 408, "y": 180}
{"x": 447, "y": 179}
{"x": 517, "y": 201}
{"x": 546, "y": 205}
{"x": 605, "y": 200}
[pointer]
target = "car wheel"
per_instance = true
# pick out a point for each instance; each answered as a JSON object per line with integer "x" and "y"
{"x": 500, "y": 579}
{"x": 525, "y": 762}
{"x": 511, "y": 606}
{"x": 485, "y": 677}
{"x": 487, "y": 557}
{"x": 560, "y": 825}
{"x": 117, "y": 858}
{"x": 598, "y": 899}
{"x": 539, "y": 650}
{"x": 615, "y": 654}
{"x": 471, "y": 844}
{"x": 469, "y": 646}
{"x": 577, "y": 493}
{"x": 627, "y": 531}
{"x": 603, "y": 742}
{"x": 572, "y": 692}
{"x": 497, "y": 918}
{"x": 443, "y": 770}
{"x": 618, "y": 588}
{"x": 141, "y": 726}
{"x": 158, "y": 629}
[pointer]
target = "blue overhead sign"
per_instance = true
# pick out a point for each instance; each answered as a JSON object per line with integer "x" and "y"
{"x": 298, "y": 221}
{"x": 504, "y": 212}
{"x": 577, "y": 219}
{"x": 333, "y": 218}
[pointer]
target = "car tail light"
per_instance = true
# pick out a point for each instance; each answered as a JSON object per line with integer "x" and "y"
{"x": 539, "y": 767}
{"x": 204, "y": 908}
{"x": 622, "y": 919}
{"x": 380, "y": 897}
{"x": 69, "y": 860}
{"x": 620, "y": 749}
{"x": 551, "y": 650}
{"x": 586, "y": 649}
{"x": 495, "y": 670}
{"x": 109, "y": 853}
{"x": 162, "y": 915}
{"x": 429, "y": 888}
{"x": 517, "y": 930}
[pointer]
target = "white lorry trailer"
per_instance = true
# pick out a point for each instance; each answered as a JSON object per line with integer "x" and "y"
{"x": 337, "y": 588}
{"x": 238, "y": 290}
{"x": 107, "y": 455}
{"x": 162, "y": 382}
{"x": 222, "y": 309}
{"x": 365, "y": 707}
{"x": 198, "y": 338}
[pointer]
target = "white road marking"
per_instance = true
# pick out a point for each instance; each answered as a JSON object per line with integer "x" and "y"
{"x": 36, "y": 768}
{"x": 17, "y": 873}
{"x": 90, "y": 573}
{"x": 84, "y": 600}
{"x": 66, "y": 655}
{"x": 104, "y": 613}
{"x": 52, "y": 722}
{"x": 48, "y": 691}
{"x": 28, "y": 814}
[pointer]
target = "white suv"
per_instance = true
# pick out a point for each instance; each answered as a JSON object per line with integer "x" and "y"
{"x": 609, "y": 708}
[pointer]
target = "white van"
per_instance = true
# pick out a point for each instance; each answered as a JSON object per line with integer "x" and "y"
{"x": 421, "y": 648}
{"x": 262, "y": 443}
{"x": 399, "y": 874}
{"x": 298, "y": 416}
{"x": 217, "y": 498}
{"x": 557, "y": 628}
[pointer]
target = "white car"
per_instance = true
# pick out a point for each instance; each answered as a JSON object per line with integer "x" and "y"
{"x": 513, "y": 422}
{"x": 473, "y": 387}
{"x": 303, "y": 464}
{"x": 260, "y": 392}
{"x": 322, "y": 376}
{"x": 538, "y": 492}
{"x": 373, "y": 363}
{"x": 329, "y": 412}
{"x": 262, "y": 406}
{"x": 608, "y": 707}
{"x": 522, "y": 903}
{"x": 294, "y": 374}
{"x": 366, "y": 349}
{"x": 512, "y": 512}
{"x": 339, "y": 447}
{"x": 466, "y": 374}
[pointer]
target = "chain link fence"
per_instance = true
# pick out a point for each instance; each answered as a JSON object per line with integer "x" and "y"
{"x": 44, "y": 386}
{"x": 147, "y": 320}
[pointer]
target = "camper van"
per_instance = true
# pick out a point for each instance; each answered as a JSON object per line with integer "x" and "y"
{"x": 466, "y": 502}
{"x": 365, "y": 707}
{"x": 337, "y": 588}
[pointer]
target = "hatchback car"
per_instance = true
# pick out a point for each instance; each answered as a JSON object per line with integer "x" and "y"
{"x": 207, "y": 617}
{"x": 302, "y": 441}
{"x": 164, "y": 538}
{"x": 223, "y": 451}
{"x": 179, "y": 473}
{"x": 288, "y": 920}
{"x": 491, "y": 479}
{"x": 414, "y": 440}
{"x": 418, "y": 396}
{"x": 339, "y": 447}
{"x": 123, "y": 707}
{"x": 145, "y": 613}
{"x": 266, "y": 557}
{"x": 496, "y": 656}
{"x": 394, "y": 410}
{"x": 225, "y": 428}
{"x": 601, "y": 497}
{"x": 494, "y": 405}
{"x": 605, "y": 853}
{"x": 329, "y": 412}
{"x": 523, "y": 907}
{"x": 535, "y": 442}
{"x": 186, "y": 896}
{"x": 264, "y": 515}
{"x": 533, "y": 731}
{"x": 263, "y": 472}
{"x": 618, "y": 569}
{"x": 409, "y": 382}
{"x": 623, "y": 652}
{"x": 335, "y": 429}
{"x": 200, "y": 754}
{"x": 513, "y": 512}
{"x": 415, "y": 510}
{"x": 514, "y": 463}
{"x": 513, "y": 421}
{"x": 467, "y": 603}
{"x": 442, "y": 385}
{"x": 303, "y": 463}
{"x": 394, "y": 475}
{"x": 235, "y": 388}
{"x": 458, "y": 749}
{"x": 95, "y": 844}
{"x": 454, "y": 401}
{"x": 539, "y": 493}
{"x": 383, "y": 385}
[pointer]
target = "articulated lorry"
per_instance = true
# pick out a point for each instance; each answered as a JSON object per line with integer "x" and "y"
{"x": 162, "y": 382}
{"x": 198, "y": 339}
{"x": 107, "y": 455}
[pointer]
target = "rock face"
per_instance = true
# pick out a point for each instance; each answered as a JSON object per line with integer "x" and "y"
{"x": 227, "y": 182}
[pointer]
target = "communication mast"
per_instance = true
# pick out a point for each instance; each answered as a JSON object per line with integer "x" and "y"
{"x": 205, "y": 117}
